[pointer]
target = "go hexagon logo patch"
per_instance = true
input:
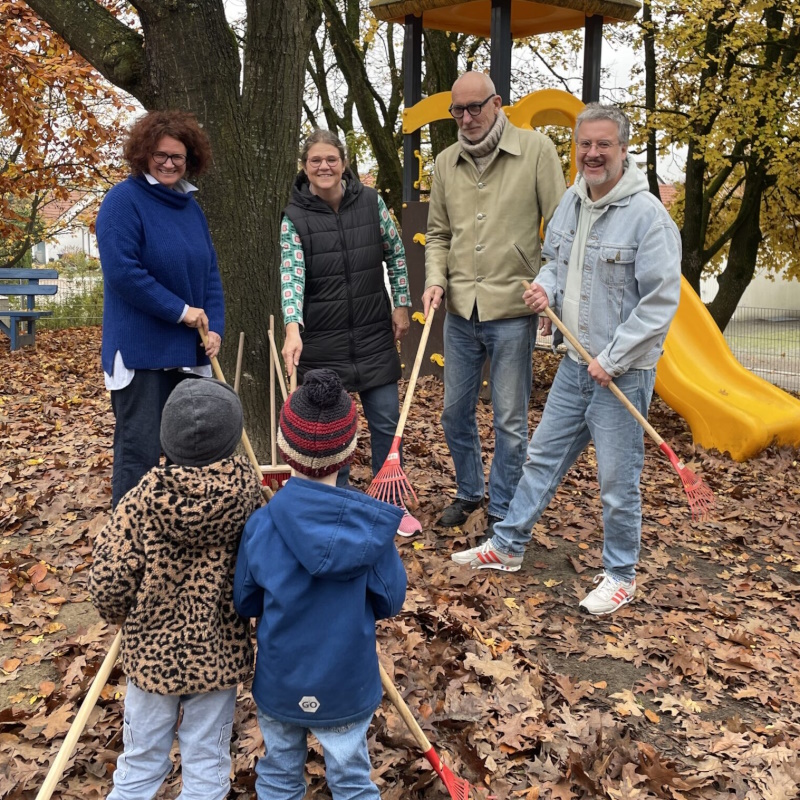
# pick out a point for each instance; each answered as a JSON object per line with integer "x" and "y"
{"x": 309, "y": 704}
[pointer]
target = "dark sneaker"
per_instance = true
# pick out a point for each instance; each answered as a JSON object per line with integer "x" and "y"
{"x": 610, "y": 595}
{"x": 489, "y": 532}
{"x": 457, "y": 512}
{"x": 492, "y": 521}
{"x": 484, "y": 556}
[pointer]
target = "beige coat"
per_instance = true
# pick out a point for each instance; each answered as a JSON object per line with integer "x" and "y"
{"x": 474, "y": 220}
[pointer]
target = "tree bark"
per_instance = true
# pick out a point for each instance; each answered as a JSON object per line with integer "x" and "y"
{"x": 381, "y": 129}
{"x": 649, "y": 42}
{"x": 742, "y": 257}
{"x": 441, "y": 70}
{"x": 187, "y": 57}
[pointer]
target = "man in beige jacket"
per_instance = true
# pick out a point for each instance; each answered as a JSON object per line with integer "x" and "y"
{"x": 491, "y": 190}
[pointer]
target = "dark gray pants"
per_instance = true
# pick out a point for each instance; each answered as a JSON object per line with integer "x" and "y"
{"x": 137, "y": 433}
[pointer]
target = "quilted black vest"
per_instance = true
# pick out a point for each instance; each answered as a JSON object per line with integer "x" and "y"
{"x": 346, "y": 308}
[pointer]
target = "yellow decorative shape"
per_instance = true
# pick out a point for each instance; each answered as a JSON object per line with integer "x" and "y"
{"x": 437, "y": 358}
{"x": 430, "y": 109}
{"x": 418, "y": 316}
{"x": 419, "y": 238}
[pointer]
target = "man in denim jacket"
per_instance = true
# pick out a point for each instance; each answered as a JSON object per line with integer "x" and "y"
{"x": 613, "y": 275}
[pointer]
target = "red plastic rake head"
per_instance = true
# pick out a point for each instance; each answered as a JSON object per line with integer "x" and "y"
{"x": 458, "y": 788}
{"x": 701, "y": 498}
{"x": 391, "y": 484}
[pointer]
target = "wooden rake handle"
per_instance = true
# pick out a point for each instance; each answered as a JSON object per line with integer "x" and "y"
{"x": 405, "y": 712}
{"x": 277, "y": 361}
{"x": 248, "y": 448}
{"x": 412, "y": 381}
{"x": 79, "y": 723}
{"x": 615, "y": 390}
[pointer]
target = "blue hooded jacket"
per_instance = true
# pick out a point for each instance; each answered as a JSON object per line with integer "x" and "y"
{"x": 318, "y": 565}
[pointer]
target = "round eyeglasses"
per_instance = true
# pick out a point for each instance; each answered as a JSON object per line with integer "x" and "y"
{"x": 317, "y": 162}
{"x": 177, "y": 159}
{"x": 474, "y": 109}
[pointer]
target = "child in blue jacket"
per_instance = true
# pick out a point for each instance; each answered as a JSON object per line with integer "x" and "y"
{"x": 318, "y": 566}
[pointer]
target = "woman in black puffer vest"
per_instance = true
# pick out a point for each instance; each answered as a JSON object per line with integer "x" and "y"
{"x": 336, "y": 235}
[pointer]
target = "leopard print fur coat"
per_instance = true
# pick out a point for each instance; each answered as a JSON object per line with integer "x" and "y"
{"x": 163, "y": 566}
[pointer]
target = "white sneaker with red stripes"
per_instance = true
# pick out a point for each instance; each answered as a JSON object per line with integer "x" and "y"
{"x": 484, "y": 556}
{"x": 611, "y": 594}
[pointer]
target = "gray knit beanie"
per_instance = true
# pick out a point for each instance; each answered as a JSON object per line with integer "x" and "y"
{"x": 201, "y": 423}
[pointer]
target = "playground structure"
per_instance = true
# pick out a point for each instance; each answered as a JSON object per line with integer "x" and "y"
{"x": 726, "y": 406}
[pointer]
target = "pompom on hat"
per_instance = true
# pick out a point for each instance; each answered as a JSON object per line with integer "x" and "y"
{"x": 318, "y": 425}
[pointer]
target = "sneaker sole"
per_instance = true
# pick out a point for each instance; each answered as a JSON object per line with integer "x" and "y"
{"x": 501, "y": 567}
{"x": 585, "y": 610}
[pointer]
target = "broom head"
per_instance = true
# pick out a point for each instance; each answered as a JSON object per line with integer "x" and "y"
{"x": 275, "y": 477}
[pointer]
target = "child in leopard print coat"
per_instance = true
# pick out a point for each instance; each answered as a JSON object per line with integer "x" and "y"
{"x": 163, "y": 568}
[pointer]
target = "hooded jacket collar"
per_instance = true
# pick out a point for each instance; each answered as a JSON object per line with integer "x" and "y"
{"x": 303, "y": 196}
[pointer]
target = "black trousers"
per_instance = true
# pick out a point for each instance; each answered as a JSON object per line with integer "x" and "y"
{"x": 137, "y": 433}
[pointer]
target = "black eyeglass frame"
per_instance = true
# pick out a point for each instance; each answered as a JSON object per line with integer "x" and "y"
{"x": 161, "y": 158}
{"x": 474, "y": 109}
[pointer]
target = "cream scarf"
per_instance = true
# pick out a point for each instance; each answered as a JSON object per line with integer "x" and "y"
{"x": 482, "y": 151}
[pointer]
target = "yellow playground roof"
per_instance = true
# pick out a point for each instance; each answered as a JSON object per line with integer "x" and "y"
{"x": 528, "y": 18}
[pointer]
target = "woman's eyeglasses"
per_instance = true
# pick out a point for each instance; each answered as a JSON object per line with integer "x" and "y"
{"x": 177, "y": 159}
{"x": 317, "y": 162}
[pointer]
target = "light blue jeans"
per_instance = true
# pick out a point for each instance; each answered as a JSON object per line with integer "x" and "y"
{"x": 204, "y": 737}
{"x": 508, "y": 343}
{"x": 382, "y": 411}
{"x": 280, "y": 774}
{"x": 579, "y": 410}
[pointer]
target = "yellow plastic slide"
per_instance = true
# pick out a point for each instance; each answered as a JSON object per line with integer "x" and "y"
{"x": 726, "y": 405}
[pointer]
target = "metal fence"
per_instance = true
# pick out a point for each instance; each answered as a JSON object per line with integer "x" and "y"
{"x": 767, "y": 342}
{"x": 764, "y": 340}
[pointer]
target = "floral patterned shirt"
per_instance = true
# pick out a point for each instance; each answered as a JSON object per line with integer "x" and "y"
{"x": 293, "y": 266}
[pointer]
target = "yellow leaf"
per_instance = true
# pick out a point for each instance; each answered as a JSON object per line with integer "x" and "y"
{"x": 437, "y": 358}
{"x": 34, "y": 462}
{"x": 510, "y": 602}
{"x": 418, "y": 546}
{"x": 652, "y": 716}
{"x": 551, "y": 583}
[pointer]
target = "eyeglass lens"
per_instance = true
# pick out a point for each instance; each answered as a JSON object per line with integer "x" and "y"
{"x": 474, "y": 109}
{"x": 331, "y": 161}
{"x": 178, "y": 159}
{"x": 603, "y": 146}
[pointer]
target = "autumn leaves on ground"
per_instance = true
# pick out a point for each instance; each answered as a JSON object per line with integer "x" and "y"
{"x": 692, "y": 691}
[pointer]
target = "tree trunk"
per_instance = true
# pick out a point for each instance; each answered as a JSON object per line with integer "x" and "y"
{"x": 742, "y": 255}
{"x": 649, "y": 41}
{"x": 187, "y": 57}
{"x": 381, "y": 129}
{"x": 441, "y": 71}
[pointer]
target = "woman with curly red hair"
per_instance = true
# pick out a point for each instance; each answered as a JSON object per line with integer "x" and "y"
{"x": 161, "y": 285}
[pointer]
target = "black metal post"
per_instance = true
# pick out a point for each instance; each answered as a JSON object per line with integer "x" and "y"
{"x": 592, "y": 58}
{"x": 500, "y": 69}
{"x": 412, "y": 94}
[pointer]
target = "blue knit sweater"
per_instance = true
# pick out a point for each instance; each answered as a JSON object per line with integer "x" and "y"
{"x": 157, "y": 256}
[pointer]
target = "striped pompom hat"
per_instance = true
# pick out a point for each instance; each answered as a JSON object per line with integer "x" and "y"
{"x": 319, "y": 422}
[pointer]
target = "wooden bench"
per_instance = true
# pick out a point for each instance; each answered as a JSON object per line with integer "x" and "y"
{"x": 20, "y": 325}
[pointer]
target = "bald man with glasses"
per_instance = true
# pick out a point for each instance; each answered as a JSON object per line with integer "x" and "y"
{"x": 491, "y": 190}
